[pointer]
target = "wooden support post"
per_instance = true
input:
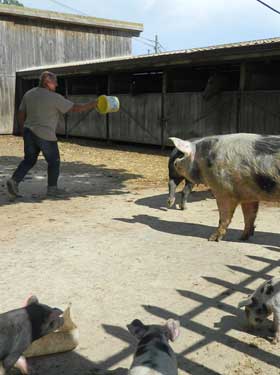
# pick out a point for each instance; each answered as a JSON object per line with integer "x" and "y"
{"x": 163, "y": 108}
{"x": 66, "y": 115}
{"x": 107, "y": 115}
{"x": 242, "y": 84}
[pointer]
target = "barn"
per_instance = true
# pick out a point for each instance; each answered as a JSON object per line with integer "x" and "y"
{"x": 164, "y": 94}
{"x": 31, "y": 38}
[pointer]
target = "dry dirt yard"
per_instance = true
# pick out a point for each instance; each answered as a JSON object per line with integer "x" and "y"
{"x": 113, "y": 249}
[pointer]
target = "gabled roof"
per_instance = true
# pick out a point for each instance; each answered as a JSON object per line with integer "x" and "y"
{"x": 67, "y": 18}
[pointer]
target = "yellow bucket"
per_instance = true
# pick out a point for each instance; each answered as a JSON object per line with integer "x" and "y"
{"x": 107, "y": 104}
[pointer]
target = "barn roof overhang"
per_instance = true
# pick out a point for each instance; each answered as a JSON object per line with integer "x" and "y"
{"x": 70, "y": 19}
{"x": 219, "y": 54}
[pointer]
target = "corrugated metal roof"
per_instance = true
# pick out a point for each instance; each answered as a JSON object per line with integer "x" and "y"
{"x": 73, "y": 19}
{"x": 187, "y": 55}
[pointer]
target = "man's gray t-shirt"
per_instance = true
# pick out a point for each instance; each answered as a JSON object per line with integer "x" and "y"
{"x": 43, "y": 109}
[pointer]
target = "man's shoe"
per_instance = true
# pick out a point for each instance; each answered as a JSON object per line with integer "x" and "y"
{"x": 54, "y": 191}
{"x": 12, "y": 187}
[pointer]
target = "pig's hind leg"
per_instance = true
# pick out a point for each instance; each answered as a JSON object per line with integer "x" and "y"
{"x": 185, "y": 193}
{"x": 276, "y": 326}
{"x": 250, "y": 210}
{"x": 226, "y": 208}
{"x": 172, "y": 184}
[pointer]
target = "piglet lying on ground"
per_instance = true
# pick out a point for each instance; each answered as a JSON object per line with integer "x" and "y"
{"x": 154, "y": 356}
{"x": 20, "y": 327}
{"x": 262, "y": 303}
{"x": 174, "y": 181}
{"x": 238, "y": 168}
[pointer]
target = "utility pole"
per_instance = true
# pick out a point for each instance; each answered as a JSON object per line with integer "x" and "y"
{"x": 156, "y": 44}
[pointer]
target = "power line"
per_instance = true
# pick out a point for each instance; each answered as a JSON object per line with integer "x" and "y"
{"x": 68, "y": 7}
{"x": 141, "y": 41}
{"x": 268, "y": 6}
{"x": 149, "y": 40}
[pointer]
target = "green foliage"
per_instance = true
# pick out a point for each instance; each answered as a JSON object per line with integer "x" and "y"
{"x": 11, "y": 2}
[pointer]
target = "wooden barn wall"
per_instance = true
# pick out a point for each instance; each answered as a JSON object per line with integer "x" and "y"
{"x": 189, "y": 115}
{"x": 260, "y": 112}
{"x": 138, "y": 120}
{"x": 28, "y": 44}
{"x": 7, "y": 105}
{"x": 92, "y": 125}
{"x": 44, "y": 44}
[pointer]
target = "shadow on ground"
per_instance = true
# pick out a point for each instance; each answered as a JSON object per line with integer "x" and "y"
{"x": 199, "y": 230}
{"x": 117, "y": 145}
{"x": 77, "y": 178}
{"x": 233, "y": 320}
{"x": 159, "y": 201}
{"x": 70, "y": 363}
{"x": 221, "y": 331}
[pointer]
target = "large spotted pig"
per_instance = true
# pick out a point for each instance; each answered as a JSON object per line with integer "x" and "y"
{"x": 154, "y": 355}
{"x": 262, "y": 303}
{"x": 175, "y": 179}
{"x": 238, "y": 168}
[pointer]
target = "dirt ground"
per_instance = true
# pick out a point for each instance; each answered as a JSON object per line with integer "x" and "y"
{"x": 113, "y": 249}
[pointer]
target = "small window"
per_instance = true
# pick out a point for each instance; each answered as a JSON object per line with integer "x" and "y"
{"x": 87, "y": 85}
{"x": 143, "y": 83}
{"x": 120, "y": 84}
{"x": 186, "y": 80}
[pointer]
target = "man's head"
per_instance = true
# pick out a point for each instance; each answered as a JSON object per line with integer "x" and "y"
{"x": 48, "y": 81}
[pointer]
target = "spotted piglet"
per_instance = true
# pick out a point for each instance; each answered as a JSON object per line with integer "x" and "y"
{"x": 175, "y": 179}
{"x": 262, "y": 303}
{"x": 154, "y": 355}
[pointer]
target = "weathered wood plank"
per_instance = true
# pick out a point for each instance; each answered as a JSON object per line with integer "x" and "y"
{"x": 260, "y": 112}
{"x": 7, "y": 95}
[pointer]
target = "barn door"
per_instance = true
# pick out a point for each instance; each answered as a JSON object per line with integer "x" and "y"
{"x": 189, "y": 115}
{"x": 260, "y": 112}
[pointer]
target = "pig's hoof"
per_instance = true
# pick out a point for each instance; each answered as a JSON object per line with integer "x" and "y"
{"x": 247, "y": 234}
{"x": 244, "y": 237}
{"x": 215, "y": 237}
{"x": 182, "y": 206}
{"x": 275, "y": 340}
{"x": 170, "y": 202}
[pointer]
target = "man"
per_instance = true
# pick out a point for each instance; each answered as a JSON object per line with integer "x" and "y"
{"x": 38, "y": 115}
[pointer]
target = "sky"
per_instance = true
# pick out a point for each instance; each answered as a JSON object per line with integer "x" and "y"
{"x": 180, "y": 24}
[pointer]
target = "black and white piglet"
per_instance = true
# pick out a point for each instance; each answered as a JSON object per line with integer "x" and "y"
{"x": 175, "y": 179}
{"x": 154, "y": 355}
{"x": 262, "y": 303}
{"x": 20, "y": 327}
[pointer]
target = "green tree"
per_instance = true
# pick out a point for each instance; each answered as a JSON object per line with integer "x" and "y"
{"x": 11, "y": 2}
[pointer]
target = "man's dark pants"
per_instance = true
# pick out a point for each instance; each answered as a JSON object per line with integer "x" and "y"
{"x": 32, "y": 147}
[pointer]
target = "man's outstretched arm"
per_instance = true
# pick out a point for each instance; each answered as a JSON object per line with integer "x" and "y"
{"x": 84, "y": 107}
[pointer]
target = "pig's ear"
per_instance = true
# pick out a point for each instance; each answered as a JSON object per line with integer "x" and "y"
{"x": 173, "y": 329}
{"x": 55, "y": 314}
{"x": 137, "y": 328}
{"x": 30, "y": 299}
{"x": 245, "y": 302}
{"x": 183, "y": 146}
